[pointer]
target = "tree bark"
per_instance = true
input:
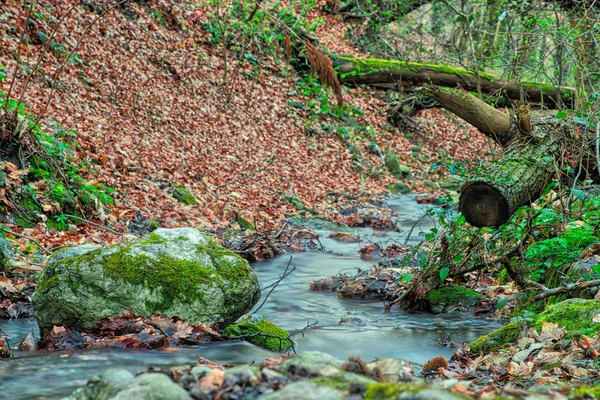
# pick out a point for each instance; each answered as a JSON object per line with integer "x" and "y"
{"x": 393, "y": 73}
{"x": 518, "y": 178}
{"x": 491, "y": 121}
{"x": 528, "y": 164}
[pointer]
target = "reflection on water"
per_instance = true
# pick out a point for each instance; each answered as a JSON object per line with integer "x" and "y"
{"x": 370, "y": 333}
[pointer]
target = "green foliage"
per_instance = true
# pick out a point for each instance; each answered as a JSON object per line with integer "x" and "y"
{"x": 55, "y": 162}
{"x": 557, "y": 251}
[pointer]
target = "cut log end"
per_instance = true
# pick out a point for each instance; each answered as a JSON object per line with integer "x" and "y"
{"x": 482, "y": 205}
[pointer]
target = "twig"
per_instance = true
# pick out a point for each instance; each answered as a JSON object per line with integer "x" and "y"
{"x": 598, "y": 144}
{"x": 14, "y": 77}
{"x": 44, "y": 51}
{"x": 95, "y": 224}
{"x": 24, "y": 237}
{"x": 413, "y": 228}
{"x": 275, "y": 284}
{"x": 566, "y": 288}
{"x": 317, "y": 239}
{"x": 280, "y": 231}
{"x": 256, "y": 7}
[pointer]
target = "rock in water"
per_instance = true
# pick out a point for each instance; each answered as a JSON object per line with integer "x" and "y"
{"x": 176, "y": 272}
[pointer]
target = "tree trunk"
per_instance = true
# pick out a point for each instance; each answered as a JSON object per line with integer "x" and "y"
{"x": 518, "y": 178}
{"x": 491, "y": 121}
{"x": 529, "y": 162}
{"x": 392, "y": 74}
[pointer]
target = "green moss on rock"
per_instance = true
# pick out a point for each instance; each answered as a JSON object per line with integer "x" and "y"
{"x": 244, "y": 223}
{"x": 262, "y": 333}
{"x": 177, "y": 272}
{"x": 453, "y": 294}
{"x": 586, "y": 392}
{"x": 575, "y": 315}
{"x": 507, "y": 334}
{"x": 399, "y": 187}
{"x": 183, "y": 195}
{"x": 394, "y": 167}
{"x": 391, "y": 391}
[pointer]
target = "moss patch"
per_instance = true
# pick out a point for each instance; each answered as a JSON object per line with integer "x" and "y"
{"x": 176, "y": 279}
{"x": 586, "y": 392}
{"x": 575, "y": 315}
{"x": 183, "y": 195}
{"x": 453, "y": 294}
{"x": 507, "y": 334}
{"x": 399, "y": 187}
{"x": 392, "y": 391}
{"x": 244, "y": 223}
{"x": 262, "y": 333}
{"x": 395, "y": 168}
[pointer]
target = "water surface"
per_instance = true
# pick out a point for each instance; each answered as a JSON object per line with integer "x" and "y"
{"x": 369, "y": 331}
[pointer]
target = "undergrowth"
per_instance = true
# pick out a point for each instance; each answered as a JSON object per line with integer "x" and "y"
{"x": 54, "y": 185}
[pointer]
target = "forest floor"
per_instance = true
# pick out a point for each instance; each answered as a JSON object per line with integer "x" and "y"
{"x": 151, "y": 107}
{"x": 154, "y": 104}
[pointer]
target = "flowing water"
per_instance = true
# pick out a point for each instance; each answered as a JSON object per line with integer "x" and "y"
{"x": 371, "y": 332}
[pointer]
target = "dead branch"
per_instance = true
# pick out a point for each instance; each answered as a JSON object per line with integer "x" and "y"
{"x": 566, "y": 288}
{"x": 285, "y": 274}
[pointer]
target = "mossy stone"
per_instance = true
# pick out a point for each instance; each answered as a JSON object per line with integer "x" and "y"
{"x": 394, "y": 167}
{"x": 6, "y": 252}
{"x": 399, "y": 187}
{"x": 585, "y": 392}
{"x": 305, "y": 390}
{"x": 492, "y": 341}
{"x": 430, "y": 184}
{"x": 451, "y": 295}
{"x": 575, "y": 315}
{"x": 452, "y": 182}
{"x": 104, "y": 386}
{"x": 183, "y": 195}
{"x": 275, "y": 338}
{"x": 176, "y": 272}
{"x": 244, "y": 223}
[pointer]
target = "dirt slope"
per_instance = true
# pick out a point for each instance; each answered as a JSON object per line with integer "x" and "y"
{"x": 150, "y": 106}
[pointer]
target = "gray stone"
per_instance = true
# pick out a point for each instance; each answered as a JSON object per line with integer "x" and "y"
{"x": 153, "y": 386}
{"x": 311, "y": 363}
{"x": 5, "y": 251}
{"x": 103, "y": 386}
{"x": 305, "y": 390}
{"x": 392, "y": 370}
{"x": 176, "y": 272}
{"x": 429, "y": 394}
{"x": 246, "y": 374}
{"x": 71, "y": 252}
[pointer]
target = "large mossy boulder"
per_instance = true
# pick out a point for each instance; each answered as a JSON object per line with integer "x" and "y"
{"x": 175, "y": 272}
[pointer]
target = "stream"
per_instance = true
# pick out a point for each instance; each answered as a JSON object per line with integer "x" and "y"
{"x": 371, "y": 332}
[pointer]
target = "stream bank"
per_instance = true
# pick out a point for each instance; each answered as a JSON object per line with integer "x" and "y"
{"x": 345, "y": 328}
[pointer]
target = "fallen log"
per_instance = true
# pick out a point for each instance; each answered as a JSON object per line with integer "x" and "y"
{"x": 518, "y": 178}
{"x": 394, "y": 73}
{"x": 528, "y": 163}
